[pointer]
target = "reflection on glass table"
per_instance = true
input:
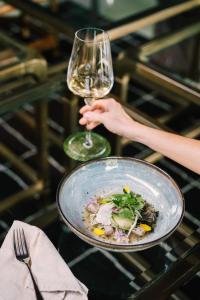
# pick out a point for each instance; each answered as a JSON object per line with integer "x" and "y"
{"x": 120, "y": 18}
{"x": 114, "y": 276}
{"x": 10, "y": 52}
{"x": 138, "y": 274}
{"x": 99, "y": 12}
{"x": 17, "y": 60}
{"x": 177, "y": 54}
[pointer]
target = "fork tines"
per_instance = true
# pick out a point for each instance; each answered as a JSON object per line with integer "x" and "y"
{"x": 19, "y": 241}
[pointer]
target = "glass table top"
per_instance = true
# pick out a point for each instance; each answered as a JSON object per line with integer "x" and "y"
{"x": 109, "y": 11}
{"x": 17, "y": 60}
{"x": 107, "y": 275}
{"x": 108, "y": 14}
{"x": 131, "y": 271}
{"x": 11, "y": 52}
{"x": 176, "y": 55}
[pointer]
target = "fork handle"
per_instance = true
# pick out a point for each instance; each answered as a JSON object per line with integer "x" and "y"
{"x": 37, "y": 292}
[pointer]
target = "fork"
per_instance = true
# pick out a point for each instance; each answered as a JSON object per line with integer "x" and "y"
{"x": 22, "y": 254}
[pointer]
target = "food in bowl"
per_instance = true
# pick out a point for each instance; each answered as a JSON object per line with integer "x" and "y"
{"x": 120, "y": 218}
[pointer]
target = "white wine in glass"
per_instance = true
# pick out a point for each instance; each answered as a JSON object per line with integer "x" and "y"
{"x": 89, "y": 75}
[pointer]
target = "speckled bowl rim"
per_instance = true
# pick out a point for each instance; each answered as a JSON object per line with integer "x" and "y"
{"x": 111, "y": 246}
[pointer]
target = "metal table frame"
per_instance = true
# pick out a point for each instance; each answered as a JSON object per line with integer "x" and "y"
{"x": 38, "y": 96}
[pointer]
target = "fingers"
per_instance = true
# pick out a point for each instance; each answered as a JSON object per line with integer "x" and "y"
{"x": 96, "y": 116}
{"x": 89, "y": 125}
{"x": 83, "y": 121}
{"x": 85, "y": 108}
{"x": 101, "y": 104}
{"x": 91, "y": 119}
{"x": 87, "y": 117}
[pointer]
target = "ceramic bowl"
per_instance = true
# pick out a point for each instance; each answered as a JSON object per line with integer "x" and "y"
{"x": 109, "y": 175}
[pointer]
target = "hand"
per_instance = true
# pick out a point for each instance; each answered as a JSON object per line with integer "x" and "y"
{"x": 111, "y": 114}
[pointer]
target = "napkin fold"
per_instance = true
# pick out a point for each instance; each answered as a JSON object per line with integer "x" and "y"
{"x": 53, "y": 276}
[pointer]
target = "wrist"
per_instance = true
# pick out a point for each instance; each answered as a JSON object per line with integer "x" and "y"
{"x": 136, "y": 131}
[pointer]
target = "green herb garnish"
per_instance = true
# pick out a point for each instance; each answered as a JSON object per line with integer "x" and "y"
{"x": 132, "y": 201}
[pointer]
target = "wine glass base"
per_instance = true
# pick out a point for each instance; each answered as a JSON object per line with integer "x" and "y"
{"x": 74, "y": 147}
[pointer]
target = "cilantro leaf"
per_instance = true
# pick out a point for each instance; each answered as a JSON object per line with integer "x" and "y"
{"x": 132, "y": 201}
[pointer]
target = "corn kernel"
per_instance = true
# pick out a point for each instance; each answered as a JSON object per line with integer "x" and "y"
{"x": 145, "y": 227}
{"x": 98, "y": 231}
{"x": 127, "y": 189}
{"x": 103, "y": 201}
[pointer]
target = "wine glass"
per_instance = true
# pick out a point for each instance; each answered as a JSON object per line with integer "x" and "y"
{"x": 89, "y": 75}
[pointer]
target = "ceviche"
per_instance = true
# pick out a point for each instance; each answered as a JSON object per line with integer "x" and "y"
{"x": 120, "y": 218}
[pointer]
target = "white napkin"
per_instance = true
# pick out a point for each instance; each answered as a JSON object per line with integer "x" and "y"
{"x": 53, "y": 276}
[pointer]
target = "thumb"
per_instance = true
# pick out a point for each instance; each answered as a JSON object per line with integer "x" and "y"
{"x": 94, "y": 117}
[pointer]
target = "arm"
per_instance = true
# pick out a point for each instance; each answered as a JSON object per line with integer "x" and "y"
{"x": 183, "y": 150}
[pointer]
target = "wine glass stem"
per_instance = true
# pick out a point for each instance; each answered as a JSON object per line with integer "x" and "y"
{"x": 88, "y": 137}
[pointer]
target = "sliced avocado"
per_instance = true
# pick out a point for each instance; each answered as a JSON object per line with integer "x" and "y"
{"x": 121, "y": 222}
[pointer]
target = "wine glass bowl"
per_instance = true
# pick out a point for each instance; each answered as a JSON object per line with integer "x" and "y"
{"x": 89, "y": 75}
